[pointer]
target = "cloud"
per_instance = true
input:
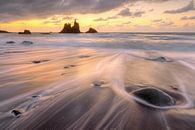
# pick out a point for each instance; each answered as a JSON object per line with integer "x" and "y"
{"x": 23, "y": 9}
{"x": 164, "y": 23}
{"x": 55, "y": 22}
{"x": 188, "y": 7}
{"x": 151, "y": 10}
{"x": 69, "y": 18}
{"x": 105, "y": 19}
{"x": 188, "y": 18}
{"x": 127, "y": 12}
{"x": 138, "y": 13}
{"x": 100, "y": 19}
{"x": 129, "y": 22}
{"x": 157, "y": 20}
{"x": 161, "y": 22}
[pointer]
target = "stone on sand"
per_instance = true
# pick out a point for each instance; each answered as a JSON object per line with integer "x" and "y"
{"x": 16, "y": 113}
{"x": 154, "y": 96}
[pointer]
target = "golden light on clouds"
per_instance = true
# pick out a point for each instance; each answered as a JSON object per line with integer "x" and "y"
{"x": 128, "y": 17}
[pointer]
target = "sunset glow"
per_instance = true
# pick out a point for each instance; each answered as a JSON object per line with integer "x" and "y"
{"x": 172, "y": 15}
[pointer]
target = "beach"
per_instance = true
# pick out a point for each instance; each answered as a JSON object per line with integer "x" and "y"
{"x": 104, "y": 81}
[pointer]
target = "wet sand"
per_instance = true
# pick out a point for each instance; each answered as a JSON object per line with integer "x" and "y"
{"x": 93, "y": 89}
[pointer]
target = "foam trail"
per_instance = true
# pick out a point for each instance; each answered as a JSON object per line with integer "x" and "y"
{"x": 188, "y": 65}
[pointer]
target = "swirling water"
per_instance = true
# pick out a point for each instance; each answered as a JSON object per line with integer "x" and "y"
{"x": 88, "y": 81}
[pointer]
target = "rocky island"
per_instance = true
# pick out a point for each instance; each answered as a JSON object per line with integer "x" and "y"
{"x": 92, "y": 30}
{"x": 25, "y": 32}
{"x": 71, "y": 29}
{"x": 75, "y": 28}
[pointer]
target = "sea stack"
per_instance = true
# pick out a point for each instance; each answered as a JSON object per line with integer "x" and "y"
{"x": 71, "y": 29}
{"x": 25, "y": 32}
{"x": 92, "y": 30}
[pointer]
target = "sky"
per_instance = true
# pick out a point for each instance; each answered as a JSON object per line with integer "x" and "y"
{"x": 103, "y": 15}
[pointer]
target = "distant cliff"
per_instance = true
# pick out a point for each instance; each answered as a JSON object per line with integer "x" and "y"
{"x": 71, "y": 29}
{"x": 2, "y": 31}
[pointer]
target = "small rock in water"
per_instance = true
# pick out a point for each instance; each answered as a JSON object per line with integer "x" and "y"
{"x": 69, "y": 66}
{"x": 25, "y": 32}
{"x": 27, "y": 42}
{"x": 84, "y": 56}
{"x": 174, "y": 87}
{"x": 39, "y": 61}
{"x": 92, "y": 30}
{"x": 36, "y": 62}
{"x": 98, "y": 83}
{"x": 66, "y": 67}
{"x": 16, "y": 113}
{"x": 159, "y": 59}
{"x": 35, "y": 96}
{"x": 10, "y": 42}
{"x": 154, "y": 96}
{"x": 72, "y": 65}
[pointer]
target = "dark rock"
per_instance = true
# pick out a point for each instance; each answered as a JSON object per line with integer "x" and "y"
{"x": 174, "y": 87}
{"x": 16, "y": 113}
{"x": 27, "y": 42}
{"x": 35, "y": 96}
{"x": 10, "y": 42}
{"x": 2, "y": 31}
{"x": 66, "y": 67}
{"x": 154, "y": 96}
{"x": 36, "y": 62}
{"x": 92, "y": 30}
{"x": 72, "y": 65}
{"x": 76, "y": 27}
{"x": 68, "y": 29}
{"x": 98, "y": 83}
{"x": 69, "y": 66}
{"x": 160, "y": 59}
{"x": 25, "y": 32}
{"x": 84, "y": 56}
{"x": 39, "y": 61}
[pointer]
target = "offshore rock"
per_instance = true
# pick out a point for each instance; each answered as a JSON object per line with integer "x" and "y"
{"x": 71, "y": 29}
{"x": 92, "y": 30}
{"x": 25, "y": 32}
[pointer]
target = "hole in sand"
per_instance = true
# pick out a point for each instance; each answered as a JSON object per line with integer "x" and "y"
{"x": 154, "y": 96}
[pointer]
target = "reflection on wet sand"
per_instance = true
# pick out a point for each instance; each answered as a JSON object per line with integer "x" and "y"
{"x": 93, "y": 89}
